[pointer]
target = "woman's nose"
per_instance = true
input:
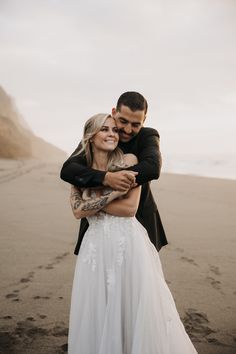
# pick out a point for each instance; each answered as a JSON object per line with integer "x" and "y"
{"x": 111, "y": 132}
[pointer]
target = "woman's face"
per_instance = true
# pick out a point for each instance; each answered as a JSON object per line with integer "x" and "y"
{"x": 107, "y": 138}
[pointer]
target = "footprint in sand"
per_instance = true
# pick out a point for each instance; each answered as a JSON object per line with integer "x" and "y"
{"x": 28, "y": 278}
{"x": 189, "y": 260}
{"x": 22, "y": 336}
{"x": 27, "y": 329}
{"x": 59, "y": 331}
{"x": 54, "y": 262}
{"x": 214, "y": 269}
{"x": 13, "y": 297}
{"x": 216, "y": 284}
{"x": 42, "y": 316}
{"x": 37, "y": 297}
{"x": 26, "y": 332}
{"x": 61, "y": 257}
{"x": 30, "y": 319}
{"x": 198, "y": 327}
{"x": 49, "y": 266}
{"x": 197, "y": 324}
{"x": 7, "y": 317}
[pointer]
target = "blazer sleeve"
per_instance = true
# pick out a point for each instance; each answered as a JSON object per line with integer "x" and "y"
{"x": 149, "y": 156}
{"x": 75, "y": 171}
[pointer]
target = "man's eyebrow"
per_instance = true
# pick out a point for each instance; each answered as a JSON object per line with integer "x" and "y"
{"x": 130, "y": 122}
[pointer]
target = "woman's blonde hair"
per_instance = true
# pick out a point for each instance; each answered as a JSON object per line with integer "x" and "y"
{"x": 92, "y": 127}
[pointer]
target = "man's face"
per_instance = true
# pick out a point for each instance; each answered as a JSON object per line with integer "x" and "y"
{"x": 128, "y": 122}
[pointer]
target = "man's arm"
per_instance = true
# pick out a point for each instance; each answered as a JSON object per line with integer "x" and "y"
{"x": 76, "y": 172}
{"x": 149, "y": 156}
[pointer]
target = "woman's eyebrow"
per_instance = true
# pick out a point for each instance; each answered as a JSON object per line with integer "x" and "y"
{"x": 107, "y": 126}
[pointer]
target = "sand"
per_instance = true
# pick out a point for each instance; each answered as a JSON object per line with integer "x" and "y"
{"x": 38, "y": 235}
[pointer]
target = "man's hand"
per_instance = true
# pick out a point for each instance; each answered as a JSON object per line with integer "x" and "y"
{"x": 120, "y": 180}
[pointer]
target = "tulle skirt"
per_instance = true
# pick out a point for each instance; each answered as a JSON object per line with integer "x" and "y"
{"x": 120, "y": 301}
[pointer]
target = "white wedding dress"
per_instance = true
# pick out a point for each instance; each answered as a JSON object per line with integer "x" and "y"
{"x": 120, "y": 302}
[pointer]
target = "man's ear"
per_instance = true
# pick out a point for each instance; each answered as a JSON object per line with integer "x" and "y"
{"x": 113, "y": 111}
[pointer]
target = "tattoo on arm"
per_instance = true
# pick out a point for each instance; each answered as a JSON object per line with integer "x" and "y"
{"x": 76, "y": 200}
{"x": 98, "y": 204}
{"x": 91, "y": 204}
{"x": 107, "y": 191}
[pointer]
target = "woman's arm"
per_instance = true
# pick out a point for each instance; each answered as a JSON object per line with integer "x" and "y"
{"x": 128, "y": 205}
{"x": 83, "y": 206}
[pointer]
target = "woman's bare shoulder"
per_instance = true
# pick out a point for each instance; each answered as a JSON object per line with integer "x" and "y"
{"x": 130, "y": 159}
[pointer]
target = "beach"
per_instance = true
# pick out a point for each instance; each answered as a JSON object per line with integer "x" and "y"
{"x": 39, "y": 233}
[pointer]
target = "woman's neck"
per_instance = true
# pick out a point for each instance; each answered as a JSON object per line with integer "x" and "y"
{"x": 100, "y": 159}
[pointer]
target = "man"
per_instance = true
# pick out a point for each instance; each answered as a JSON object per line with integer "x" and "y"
{"x": 130, "y": 114}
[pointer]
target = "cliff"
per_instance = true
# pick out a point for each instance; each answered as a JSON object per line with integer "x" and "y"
{"x": 17, "y": 139}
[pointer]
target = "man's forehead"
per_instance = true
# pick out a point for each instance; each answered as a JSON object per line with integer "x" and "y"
{"x": 134, "y": 117}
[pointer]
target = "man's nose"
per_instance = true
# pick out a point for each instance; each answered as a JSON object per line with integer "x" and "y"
{"x": 128, "y": 129}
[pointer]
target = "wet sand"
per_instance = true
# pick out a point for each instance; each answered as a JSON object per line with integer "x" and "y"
{"x": 38, "y": 235}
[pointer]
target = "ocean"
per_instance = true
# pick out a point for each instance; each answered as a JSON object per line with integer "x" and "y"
{"x": 221, "y": 166}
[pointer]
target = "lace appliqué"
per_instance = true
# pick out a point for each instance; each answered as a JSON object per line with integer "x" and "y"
{"x": 110, "y": 278}
{"x": 90, "y": 257}
{"x": 120, "y": 251}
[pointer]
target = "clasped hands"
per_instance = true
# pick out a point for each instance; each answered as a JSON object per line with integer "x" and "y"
{"x": 121, "y": 181}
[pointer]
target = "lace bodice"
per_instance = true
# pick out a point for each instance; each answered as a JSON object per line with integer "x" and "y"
{"x": 111, "y": 231}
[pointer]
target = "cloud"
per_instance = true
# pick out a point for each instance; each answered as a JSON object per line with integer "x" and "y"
{"x": 229, "y": 98}
{"x": 75, "y": 58}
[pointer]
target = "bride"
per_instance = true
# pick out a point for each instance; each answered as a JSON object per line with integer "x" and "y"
{"x": 120, "y": 301}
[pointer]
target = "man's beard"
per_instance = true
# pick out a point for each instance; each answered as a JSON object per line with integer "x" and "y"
{"x": 130, "y": 136}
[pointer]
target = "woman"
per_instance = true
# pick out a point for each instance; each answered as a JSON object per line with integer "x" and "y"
{"x": 120, "y": 302}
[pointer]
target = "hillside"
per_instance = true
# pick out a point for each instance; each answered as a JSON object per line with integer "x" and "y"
{"x": 17, "y": 139}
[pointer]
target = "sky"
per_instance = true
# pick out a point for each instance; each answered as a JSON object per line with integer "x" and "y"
{"x": 65, "y": 60}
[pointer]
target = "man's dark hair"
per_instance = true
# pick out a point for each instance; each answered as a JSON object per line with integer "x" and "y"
{"x": 134, "y": 100}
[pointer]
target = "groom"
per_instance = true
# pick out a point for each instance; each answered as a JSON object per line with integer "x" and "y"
{"x": 130, "y": 114}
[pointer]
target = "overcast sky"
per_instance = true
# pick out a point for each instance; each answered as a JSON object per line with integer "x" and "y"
{"x": 65, "y": 60}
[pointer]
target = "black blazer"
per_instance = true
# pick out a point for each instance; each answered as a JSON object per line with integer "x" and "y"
{"x": 145, "y": 145}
